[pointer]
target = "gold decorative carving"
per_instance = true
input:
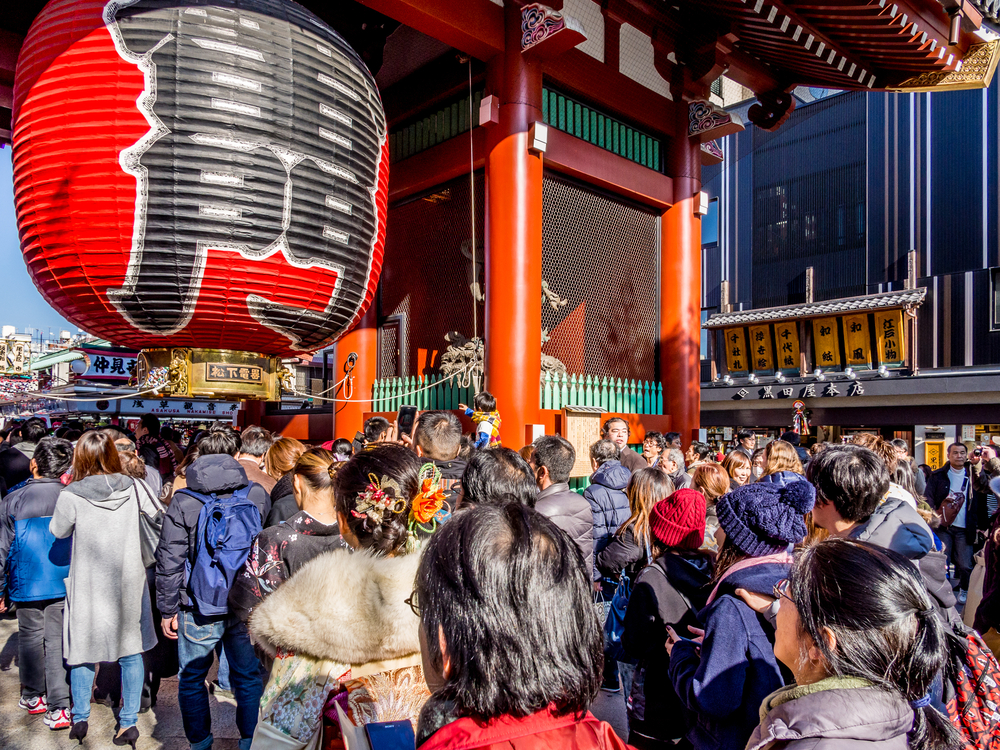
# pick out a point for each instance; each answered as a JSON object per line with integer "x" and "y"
{"x": 978, "y": 67}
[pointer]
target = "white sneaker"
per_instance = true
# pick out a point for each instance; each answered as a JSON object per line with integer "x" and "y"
{"x": 58, "y": 718}
{"x": 33, "y": 705}
{"x": 963, "y": 596}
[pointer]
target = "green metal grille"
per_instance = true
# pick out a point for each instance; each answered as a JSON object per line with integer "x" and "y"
{"x": 435, "y": 128}
{"x": 578, "y": 119}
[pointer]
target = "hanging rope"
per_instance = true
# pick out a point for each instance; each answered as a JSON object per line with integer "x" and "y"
{"x": 472, "y": 207}
{"x": 465, "y": 382}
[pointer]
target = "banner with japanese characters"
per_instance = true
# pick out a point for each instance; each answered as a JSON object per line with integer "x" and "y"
{"x": 826, "y": 343}
{"x": 737, "y": 361}
{"x": 786, "y": 336}
{"x": 109, "y": 365}
{"x": 760, "y": 349}
{"x": 889, "y": 334}
{"x": 857, "y": 342}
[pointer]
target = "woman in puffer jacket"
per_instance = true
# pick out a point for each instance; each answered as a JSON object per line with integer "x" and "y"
{"x": 341, "y": 629}
{"x": 858, "y": 631}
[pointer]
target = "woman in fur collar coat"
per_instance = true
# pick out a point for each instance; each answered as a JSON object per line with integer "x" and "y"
{"x": 342, "y": 629}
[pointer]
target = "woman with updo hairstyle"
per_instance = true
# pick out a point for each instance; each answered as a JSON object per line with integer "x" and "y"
{"x": 279, "y": 461}
{"x": 343, "y": 622}
{"x": 279, "y": 551}
{"x": 858, "y": 631}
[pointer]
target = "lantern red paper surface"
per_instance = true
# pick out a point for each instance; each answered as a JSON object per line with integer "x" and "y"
{"x": 190, "y": 174}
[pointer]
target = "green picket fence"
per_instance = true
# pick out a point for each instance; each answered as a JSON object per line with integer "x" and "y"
{"x": 611, "y": 394}
{"x": 432, "y": 392}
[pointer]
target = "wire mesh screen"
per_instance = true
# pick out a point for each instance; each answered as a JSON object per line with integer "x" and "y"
{"x": 388, "y": 350}
{"x": 427, "y": 273}
{"x": 599, "y": 263}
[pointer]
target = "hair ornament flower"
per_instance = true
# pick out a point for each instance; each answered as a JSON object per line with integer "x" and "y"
{"x": 379, "y": 497}
{"x": 431, "y": 497}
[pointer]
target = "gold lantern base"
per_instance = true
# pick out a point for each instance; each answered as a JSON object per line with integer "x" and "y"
{"x": 212, "y": 373}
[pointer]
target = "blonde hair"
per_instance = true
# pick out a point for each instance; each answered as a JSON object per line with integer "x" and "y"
{"x": 780, "y": 455}
{"x": 281, "y": 456}
{"x": 646, "y": 488}
{"x": 711, "y": 480}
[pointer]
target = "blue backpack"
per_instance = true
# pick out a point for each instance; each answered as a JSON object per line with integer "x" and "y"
{"x": 226, "y": 530}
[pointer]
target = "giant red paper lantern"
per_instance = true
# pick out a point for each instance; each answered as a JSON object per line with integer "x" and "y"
{"x": 198, "y": 174}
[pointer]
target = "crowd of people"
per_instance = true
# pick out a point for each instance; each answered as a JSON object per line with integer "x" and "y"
{"x": 458, "y": 593}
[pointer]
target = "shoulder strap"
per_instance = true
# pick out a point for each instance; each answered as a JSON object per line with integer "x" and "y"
{"x": 676, "y": 590}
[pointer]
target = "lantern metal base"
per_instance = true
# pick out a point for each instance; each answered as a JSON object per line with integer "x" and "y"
{"x": 212, "y": 373}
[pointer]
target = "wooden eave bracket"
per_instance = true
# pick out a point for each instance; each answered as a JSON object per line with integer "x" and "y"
{"x": 706, "y": 122}
{"x": 546, "y": 33}
{"x": 711, "y": 154}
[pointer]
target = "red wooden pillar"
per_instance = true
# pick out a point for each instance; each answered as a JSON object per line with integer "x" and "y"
{"x": 348, "y": 418}
{"x": 680, "y": 286}
{"x": 514, "y": 239}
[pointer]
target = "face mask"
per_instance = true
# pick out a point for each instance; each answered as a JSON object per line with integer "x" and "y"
{"x": 757, "y": 471}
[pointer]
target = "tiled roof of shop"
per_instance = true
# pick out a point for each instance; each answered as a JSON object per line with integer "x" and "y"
{"x": 881, "y": 301}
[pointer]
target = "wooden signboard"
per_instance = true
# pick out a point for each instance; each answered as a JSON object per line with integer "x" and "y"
{"x": 786, "y": 335}
{"x": 857, "y": 342}
{"x": 737, "y": 361}
{"x": 582, "y": 427}
{"x": 826, "y": 343}
{"x": 889, "y": 334}
{"x": 762, "y": 356}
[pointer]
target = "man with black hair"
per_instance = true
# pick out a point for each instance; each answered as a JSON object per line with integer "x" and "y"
{"x": 376, "y": 430}
{"x": 153, "y": 449}
{"x": 673, "y": 440}
{"x": 852, "y": 484}
{"x": 14, "y": 463}
{"x": 215, "y": 472}
{"x": 552, "y": 460}
{"x": 342, "y": 447}
{"x": 498, "y": 476}
{"x": 746, "y": 443}
{"x": 617, "y": 431}
{"x": 36, "y": 564}
{"x": 437, "y": 437}
{"x": 254, "y": 444}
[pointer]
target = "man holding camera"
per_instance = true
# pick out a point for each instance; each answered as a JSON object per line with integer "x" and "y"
{"x": 951, "y": 492}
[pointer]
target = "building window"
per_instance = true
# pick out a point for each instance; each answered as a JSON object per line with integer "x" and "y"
{"x": 995, "y": 282}
{"x": 710, "y": 224}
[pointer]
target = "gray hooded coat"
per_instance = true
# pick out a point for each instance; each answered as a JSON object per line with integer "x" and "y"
{"x": 108, "y": 612}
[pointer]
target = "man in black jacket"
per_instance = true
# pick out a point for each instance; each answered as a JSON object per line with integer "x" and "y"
{"x": 956, "y": 477}
{"x": 437, "y": 437}
{"x": 552, "y": 460}
{"x": 215, "y": 471}
{"x": 618, "y": 431}
{"x": 36, "y": 563}
{"x": 14, "y": 463}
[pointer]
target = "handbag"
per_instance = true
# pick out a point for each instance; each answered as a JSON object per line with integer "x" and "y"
{"x": 614, "y": 625}
{"x": 150, "y": 527}
{"x": 951, "y": 506}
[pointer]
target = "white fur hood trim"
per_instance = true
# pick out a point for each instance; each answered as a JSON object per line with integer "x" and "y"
{"x": 343, "y": 606}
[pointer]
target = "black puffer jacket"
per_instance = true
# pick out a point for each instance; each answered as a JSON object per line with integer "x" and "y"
{"x": 571, "y": 513}
{"x": 670, "y": 591}
{"x": 608, "y": 503}
{"x": 283, "y": 505}
{"x": 221, "y": 474}
{"x": 622, "y": 555}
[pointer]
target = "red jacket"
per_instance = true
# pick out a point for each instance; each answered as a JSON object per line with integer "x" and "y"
{"x": 540, "y": 731}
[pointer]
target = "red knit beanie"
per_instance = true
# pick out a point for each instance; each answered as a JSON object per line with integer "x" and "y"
{"x": 679, "y": 520}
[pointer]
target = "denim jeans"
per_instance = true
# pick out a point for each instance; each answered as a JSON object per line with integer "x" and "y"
{"x": 223, "y": 674}
{"x": 958, "y": 551}
{"x": 196, "y": 639}
{"x": 81, "y": 679}
{"x": 39, "y": 652}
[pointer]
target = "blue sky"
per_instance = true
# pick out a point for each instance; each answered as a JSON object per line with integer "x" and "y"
{"x": 20, "y": 303}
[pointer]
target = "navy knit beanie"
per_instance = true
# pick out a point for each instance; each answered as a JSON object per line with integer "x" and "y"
{"x": 764, "y": 518}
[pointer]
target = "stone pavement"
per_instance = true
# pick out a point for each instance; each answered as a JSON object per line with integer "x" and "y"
{"x": 160, "y": 728}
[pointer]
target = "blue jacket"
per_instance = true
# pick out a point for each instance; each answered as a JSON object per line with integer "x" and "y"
{"x": 33, "y": 563}
{"x": 725, "y": 684}
{"x": 608, "y": 503}
{"x": 782, "y": 478}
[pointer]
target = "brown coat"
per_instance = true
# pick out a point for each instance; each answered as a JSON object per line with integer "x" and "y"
{"x": 255, "y": 474}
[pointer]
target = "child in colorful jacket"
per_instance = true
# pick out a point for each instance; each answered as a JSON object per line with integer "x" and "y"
{"x": 486, "y": 418}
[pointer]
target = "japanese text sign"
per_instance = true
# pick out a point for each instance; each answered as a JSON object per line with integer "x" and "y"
{"x": 826, "y": 343}
{"x": 737, "y": 359}
{"x": 857, "y": 342}
{"x": 762, "y": 357}
{"x": 889, "y": 334}
{"x": 786, "y": 336}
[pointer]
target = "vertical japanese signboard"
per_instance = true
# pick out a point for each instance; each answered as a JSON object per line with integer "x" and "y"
{"x": 762, "y": 356}
{"x": 786, "y": 336}
{"x": 889, "y": 334}
{"x": 737, "y": 360}
{"x": 857, "y": 342}
{"x": 15, "y": 356}
{"x": 826, "y": 343}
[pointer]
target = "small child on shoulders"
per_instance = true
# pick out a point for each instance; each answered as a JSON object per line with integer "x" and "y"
{"x": 486, "y": 418}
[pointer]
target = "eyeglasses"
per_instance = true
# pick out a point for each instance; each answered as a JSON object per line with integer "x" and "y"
{"x": 412, "y": 603}
{"x": 781, "y": 589}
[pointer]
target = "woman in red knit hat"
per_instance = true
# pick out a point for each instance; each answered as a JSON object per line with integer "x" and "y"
{"x": 668, "y": 593}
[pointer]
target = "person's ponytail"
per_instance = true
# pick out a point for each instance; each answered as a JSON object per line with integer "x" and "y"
{"x": 932, "y": 730}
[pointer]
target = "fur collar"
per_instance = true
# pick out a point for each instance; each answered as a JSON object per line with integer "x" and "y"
{"x": 342, "y": 606}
